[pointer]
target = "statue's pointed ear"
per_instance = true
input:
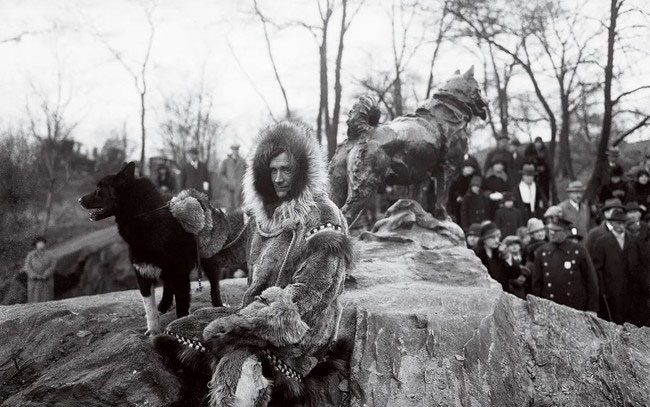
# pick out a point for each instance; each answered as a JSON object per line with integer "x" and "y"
{"x": 470, "y": 73}
{"x": 128, "y": 171}
{"x": 457, "y": 72}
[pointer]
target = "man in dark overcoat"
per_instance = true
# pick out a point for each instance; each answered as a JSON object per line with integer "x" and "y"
{"x": 613, "y": 254}
{"x": 195, "y": 173}
{"x": 563, "y": 271}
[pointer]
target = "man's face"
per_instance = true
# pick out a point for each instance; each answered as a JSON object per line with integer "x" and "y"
{"x": 539, "y": 145}
{"x": 528, "y": 179}
{"x": 40, "y": 245}
{"x": 468, "y": 170}
{"x": 618, "y": 226}
{"x": 235, "y": 152}
{"x": 575, "y": 196}
{"x": 497, "y": 168}
{"x": 476, "y": 189}
{"x": 282, "y": 174}
{"x": 615, "y": 179}
{"x": 633, "y": 216}
{"x": 493, "y": 240}
{"x": 508, "y": 204}
{"x": 556, "y": 233}
{"x": 643, "y": 179}
{"x": 194, "y": 157}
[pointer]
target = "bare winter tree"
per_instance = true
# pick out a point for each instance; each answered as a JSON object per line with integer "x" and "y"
{"x": 138, "y": 72}
{"x": 618, "y": 8}
{"x": 189, "y": 123}
{"x": 50, "y": 128}
{"x": 407, "y": 38}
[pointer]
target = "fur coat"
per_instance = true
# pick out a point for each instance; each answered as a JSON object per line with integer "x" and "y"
{"x": 298, "y": 254}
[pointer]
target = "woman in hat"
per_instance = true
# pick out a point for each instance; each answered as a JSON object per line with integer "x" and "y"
{"x": 460, "y": 185}
{"x": 39, "y": 267}
{"x": 491, "y": 256}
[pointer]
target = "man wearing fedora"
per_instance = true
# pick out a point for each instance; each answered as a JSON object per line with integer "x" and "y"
{"x": 563, "y": 271}
{"x": 574, "y": 210}
{"x": 529, "y": 196}
{"x": 232, "y": 171}
{"x": 614, "y": 254}
{"x": 195, "y": 173}
{"x": 606, "y": 212}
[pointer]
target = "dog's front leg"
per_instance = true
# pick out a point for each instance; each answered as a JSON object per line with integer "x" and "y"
{"x": 148, "y": 292}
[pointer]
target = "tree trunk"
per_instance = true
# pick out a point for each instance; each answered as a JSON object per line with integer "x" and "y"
{"x": 142, "y": 129}
{"x": 598, "y": 174}
{"x": 334, "y": 129}
{"x": 397, "y": 95}
{"x": 48, "y": 206}
{"x": 566, "y": 164}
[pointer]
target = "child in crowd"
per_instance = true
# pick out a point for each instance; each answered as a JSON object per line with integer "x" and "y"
{"x": 512, "y": 255}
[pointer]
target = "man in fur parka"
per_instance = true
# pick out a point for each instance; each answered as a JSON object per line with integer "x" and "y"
{"x": 298, "y": 254}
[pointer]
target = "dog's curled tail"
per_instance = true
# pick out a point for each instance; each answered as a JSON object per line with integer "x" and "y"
{"x": 363, "y": 116}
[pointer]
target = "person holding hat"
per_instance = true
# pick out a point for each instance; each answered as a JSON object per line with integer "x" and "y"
{"x": 491, "y": 256}
{"x": 612, "y": 255}
{"x": 473, "y": 235}
{"x": 475, "y": 207}
{"x": 596, "y": 232}
{"x": 232, "y": 171}
{"x": 460, "y": 185}
{"x": 574, "y": 210}
{"x": 508, "y": 218}
{"x": 563, "y": 271}
{"x": 194, "y": 173}
{"x": 615, "y": 188}
{"x": 640, "y": 189}
{"x": 529, "y": 196}
{"x": 39, "y": 267}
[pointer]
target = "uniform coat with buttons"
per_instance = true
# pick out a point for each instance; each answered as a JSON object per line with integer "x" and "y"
{"x": 474, "y": 209}
{"x": 565, "y": 274}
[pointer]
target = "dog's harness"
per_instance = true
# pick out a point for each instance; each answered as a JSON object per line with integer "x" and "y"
{"x": 277, "y": 363}
{"x": 152, "y": 211}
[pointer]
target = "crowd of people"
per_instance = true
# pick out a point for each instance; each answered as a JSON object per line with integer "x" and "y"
{"x": 594, "y": 257}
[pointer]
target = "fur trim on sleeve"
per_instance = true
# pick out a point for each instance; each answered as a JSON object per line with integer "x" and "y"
{"x": 188, "y": 211}
{"x": 331, "y": 241}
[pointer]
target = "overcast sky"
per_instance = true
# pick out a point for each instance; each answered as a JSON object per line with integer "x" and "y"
{"x": 191, "y": 38}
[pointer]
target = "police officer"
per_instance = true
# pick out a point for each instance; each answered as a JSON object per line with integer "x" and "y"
{"x": 563, "y": 271}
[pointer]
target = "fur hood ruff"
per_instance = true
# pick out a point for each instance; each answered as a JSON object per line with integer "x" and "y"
{"x": 309, "y": 182}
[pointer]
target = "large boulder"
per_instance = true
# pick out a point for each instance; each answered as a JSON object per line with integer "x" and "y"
{"x": 429, "y": 325}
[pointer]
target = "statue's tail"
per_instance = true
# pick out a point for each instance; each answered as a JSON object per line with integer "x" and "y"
{"x": 363, "y": 116}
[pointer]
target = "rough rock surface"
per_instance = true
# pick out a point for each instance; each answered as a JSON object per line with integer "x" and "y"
{"x": 430, "y": 327}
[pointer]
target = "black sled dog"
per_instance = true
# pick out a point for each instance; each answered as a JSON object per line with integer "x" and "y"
{"x": 159, "y": 246}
